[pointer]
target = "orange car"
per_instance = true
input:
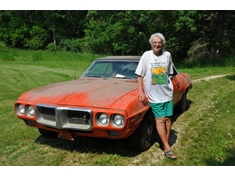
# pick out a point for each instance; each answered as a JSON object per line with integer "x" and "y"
{"x": 102, "y": 103}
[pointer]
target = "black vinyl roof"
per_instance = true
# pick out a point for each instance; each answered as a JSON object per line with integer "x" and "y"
{"x": 120, "y": 58}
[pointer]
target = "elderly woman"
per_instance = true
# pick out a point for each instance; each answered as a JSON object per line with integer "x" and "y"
{"x": 154, "y": 82}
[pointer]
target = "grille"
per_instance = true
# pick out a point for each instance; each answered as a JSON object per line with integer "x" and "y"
{"x": 64, "y": 118}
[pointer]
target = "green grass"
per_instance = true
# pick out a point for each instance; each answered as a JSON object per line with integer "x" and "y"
{"x": 209, "y": 133}
{"x": 204, "y": 134}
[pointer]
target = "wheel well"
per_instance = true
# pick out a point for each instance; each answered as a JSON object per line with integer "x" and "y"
{"x": 188, "y": 88}
{"x": 141, "y": 139}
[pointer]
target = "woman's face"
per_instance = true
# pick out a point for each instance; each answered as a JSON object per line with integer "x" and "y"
{"x": 157, "y": 45}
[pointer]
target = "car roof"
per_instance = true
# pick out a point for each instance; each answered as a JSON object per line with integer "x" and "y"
{"x": 137, "y": 58}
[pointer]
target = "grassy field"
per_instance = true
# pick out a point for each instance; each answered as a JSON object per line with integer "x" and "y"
{"x": 202, "y": 136}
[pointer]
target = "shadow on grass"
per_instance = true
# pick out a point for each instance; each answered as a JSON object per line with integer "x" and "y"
{"x": 90, "y": 145}
{"x": 177, "y": 114}
{"x": 231, "y": 77}
{"x": 100, "y": 145}
{"x": 229, "y": 161}
{"x": 173, "y": 134}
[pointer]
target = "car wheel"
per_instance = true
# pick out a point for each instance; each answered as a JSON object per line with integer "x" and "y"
{"x": 141, "y": 139}
{"x": 48, "y": 134}
{"x": 181, "y": 106}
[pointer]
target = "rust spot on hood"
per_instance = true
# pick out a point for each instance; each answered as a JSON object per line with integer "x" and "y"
{"x": 83, "y": 92}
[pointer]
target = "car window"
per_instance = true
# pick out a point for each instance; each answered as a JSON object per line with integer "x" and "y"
{"x": 99, "y": 69}
{"x": 112, "y": 69}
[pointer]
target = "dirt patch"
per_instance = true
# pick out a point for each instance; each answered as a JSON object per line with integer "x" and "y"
{"x": 208, "y": 78}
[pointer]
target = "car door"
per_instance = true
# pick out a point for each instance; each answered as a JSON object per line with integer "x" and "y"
{"x": 177, "y": 84}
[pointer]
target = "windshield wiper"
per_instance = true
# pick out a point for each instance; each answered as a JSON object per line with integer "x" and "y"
{"x": 95, "y": 76}
{"x": 126, "y": 77}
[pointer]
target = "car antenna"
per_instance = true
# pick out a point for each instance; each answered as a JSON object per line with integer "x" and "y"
{"x": 75, "y": 73}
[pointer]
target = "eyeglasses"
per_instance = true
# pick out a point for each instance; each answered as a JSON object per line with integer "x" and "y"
{"x": 156, "y": 42}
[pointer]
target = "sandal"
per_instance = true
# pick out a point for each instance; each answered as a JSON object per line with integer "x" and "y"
{"x": 169, "y": 154}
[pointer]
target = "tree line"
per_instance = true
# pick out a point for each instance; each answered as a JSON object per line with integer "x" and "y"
{"x": 189, "y": 33}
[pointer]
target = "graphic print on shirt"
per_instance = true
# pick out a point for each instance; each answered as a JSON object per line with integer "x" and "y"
{"x": 159, "y": 73}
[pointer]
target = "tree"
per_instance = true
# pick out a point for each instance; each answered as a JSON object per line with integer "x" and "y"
{"x": 37, "y": 38}
{"x": 17, "y": 26}
{"x": 118, "y": 32}
{"x": 189, "y": 33}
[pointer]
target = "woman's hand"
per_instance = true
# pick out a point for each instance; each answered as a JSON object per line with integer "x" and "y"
{"x": 142, "y": 98}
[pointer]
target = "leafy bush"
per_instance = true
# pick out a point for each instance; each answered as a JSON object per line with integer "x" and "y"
{"x": 2, "y": 44}
{"x": 70, "y": 45}
{"x": 51, "y": 47}
{"x": 37, "y": 39}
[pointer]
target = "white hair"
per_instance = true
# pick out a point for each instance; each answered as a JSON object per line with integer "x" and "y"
{"x": 159, "y": 35}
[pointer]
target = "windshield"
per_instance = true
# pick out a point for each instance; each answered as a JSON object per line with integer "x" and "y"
{"x": 112, "y": 69}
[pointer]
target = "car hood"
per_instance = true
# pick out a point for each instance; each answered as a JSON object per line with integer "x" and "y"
{"x": 102, "y": 93}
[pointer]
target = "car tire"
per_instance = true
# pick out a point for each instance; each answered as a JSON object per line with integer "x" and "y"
{"x": 141, "y": 139}
{"x": 181, "y": 106}
{"x": 48, "y": 134}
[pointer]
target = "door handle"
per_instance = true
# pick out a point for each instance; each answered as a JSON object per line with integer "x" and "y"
{"x": 178, "y": 84}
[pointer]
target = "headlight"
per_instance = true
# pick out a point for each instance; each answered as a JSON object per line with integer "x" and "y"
{"x": 118, "y": 120}
{"x": 102, "y": 119}
{"x": 20, "y": 109}
{"x": 30, "y": 111}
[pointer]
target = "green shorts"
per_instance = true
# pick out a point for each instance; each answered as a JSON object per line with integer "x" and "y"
{"x": 161, "y": 110}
